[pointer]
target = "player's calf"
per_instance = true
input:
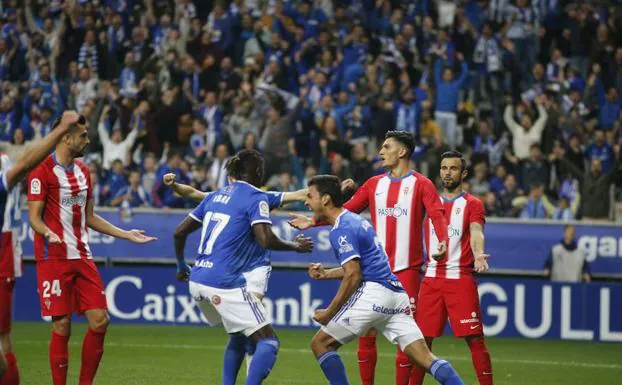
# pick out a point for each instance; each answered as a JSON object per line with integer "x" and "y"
{"x": 11, "y": 374}
{"x": 265, "y": 355}
{"x": 324, "y": 348}
{"x": 367, "y": 356}
{"x": 481, "y": 359}
{"x": 93, "y": 344}
{"x": 441, "y": 370}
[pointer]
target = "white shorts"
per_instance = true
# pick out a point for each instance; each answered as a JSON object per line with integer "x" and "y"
{"x": 236, "y": 309}
{"x": 257, "y": 280}
{"x": 375, "y": 306}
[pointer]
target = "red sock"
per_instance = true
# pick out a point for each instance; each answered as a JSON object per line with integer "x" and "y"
{"x": 367, "y": 359}
{"x": 403, "y": 368}
{"x": 11, "y": 376}
{"x": 481, "y": 360}
{"x": 418, "y": 373}
{"x": 59, "y": 358}
{"x": 92, "y": 351}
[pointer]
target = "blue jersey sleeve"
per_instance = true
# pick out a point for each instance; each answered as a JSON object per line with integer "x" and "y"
{"x": 259, "y": 210}
{"x": 275, "y": 199}
{"x": 199, "y": 212}
{"x": 345, "y": 243}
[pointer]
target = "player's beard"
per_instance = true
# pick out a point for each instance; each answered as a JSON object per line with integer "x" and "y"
{"x": 451, "y": 185}
{"x": 79, "y": 152}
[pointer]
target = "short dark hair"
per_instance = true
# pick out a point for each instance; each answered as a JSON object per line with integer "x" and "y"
{"x": 454, "y": 155}
{"x": 328, "y": 185}
{"x": 405, "y": 138}
{"x": 246, "y": 165}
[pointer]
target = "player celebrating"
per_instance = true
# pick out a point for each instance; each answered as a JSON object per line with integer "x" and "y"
{"x": 219, "y": 280}
{"x": 60, "y": 209}
{"x": 448, "y": 288}
{"x": 397, "y": 202}
{"x": 10, "y": 250}
{"x": 369, "y": 294}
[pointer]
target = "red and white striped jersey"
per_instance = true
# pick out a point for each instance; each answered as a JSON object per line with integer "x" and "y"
{"x": 65, "y": 191}
{"x": 397, "y": 207}
{"x": 460, "y": 212}
{"x": 10, "y": 247}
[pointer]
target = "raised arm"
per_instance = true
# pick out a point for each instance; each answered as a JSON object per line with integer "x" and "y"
{"x": 508, "y": 118}
{"x": 40, "y": 150}
{"x": 539, "y": 125}
{"x": 183, "y": 190}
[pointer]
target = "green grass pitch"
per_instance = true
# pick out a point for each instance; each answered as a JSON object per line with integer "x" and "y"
{"x": 137, "y": 355}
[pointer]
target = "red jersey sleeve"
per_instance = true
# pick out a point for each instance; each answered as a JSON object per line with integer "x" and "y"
{"x": 360, "y": 199}
{"x": 37, "y": 184}
{"x": 434, "y": 208}
{"x": 477, "y": 212}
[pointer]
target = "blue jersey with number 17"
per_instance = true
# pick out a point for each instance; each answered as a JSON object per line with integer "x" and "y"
{"x": 227, "y": 247}
{"x": 352, "y": 237}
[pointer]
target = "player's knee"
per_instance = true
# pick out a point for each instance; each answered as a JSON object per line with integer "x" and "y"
{"x": 371, "y": 333}
{"x": 100, "y": 321}
{"x": 5, "y": 342}
{"x": 62, "y": 325}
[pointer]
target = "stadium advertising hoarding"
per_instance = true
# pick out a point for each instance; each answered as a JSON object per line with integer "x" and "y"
{"x": 528, "y": 308}
{"x": 514, "y": 245}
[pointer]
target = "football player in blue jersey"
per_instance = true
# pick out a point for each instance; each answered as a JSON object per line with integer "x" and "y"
{"x": 370, "y": 295}
{"x": 236, "y": 231}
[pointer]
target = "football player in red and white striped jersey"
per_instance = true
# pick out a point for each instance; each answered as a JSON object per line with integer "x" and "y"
{"x": 449, "y": 289}
{"x": 61, "y": 211}
{"x": 398, "y": 202}
{"x": 10, "y": 250}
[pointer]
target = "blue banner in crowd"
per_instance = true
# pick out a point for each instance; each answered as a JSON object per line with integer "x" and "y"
{"x": 528, "y": 308}
{"x": 515, "y": 245}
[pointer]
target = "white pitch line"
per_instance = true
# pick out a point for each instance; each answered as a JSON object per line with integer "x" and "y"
{"x": 572, "y": 364}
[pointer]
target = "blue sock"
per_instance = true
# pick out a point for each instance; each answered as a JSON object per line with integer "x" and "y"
{"x": 333, "y": 368}
{"x": 234, "y": 355}
{"x": 263, "y": 360}
{"x": 444, "y": 373}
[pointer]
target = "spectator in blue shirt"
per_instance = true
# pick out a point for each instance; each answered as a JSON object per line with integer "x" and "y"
{"x": 133, "y": 193}
{"x": 115, "y": 181}
{"x": 600, "y": 149}
{"x": 447, "y": 94}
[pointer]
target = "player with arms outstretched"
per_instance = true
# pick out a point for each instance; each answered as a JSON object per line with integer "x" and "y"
{"x": 236, "y": 231}
{"x": 448, "y": 289}
{"x": 369, "y": 293}
{"x": 60, "y": 210}
{"x": 397, "y": 201}
{"x": 10, "y": 251}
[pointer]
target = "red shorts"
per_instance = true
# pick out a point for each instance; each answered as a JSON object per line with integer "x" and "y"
{"x": 66, "y": 286}
{"x": 454, "y": 299}
{"x": 411, "y": 282}
{"x": 6, "y": 303}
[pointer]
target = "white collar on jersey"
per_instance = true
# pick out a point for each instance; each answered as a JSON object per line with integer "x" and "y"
{"x": 339, "y": 217}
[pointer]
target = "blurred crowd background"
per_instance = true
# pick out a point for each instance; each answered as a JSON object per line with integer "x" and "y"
{"x": 529, "y": 91}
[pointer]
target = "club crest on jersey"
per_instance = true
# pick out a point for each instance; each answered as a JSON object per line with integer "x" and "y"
{"x": 81, "y": 178}
{"x": 216, "y": 300}
{"x": 406, "y": 189}
{"x": 458, "y": 211}
{"x": 35, "y": 186}
{"x": 344, "y": 245}
{"x": 264, "y": 209}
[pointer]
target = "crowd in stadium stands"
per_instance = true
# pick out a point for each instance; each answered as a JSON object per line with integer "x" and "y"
{"x": 531, "y": 91}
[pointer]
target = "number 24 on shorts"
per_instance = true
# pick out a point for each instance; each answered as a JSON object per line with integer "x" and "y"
{"x": 50, "y": 289}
